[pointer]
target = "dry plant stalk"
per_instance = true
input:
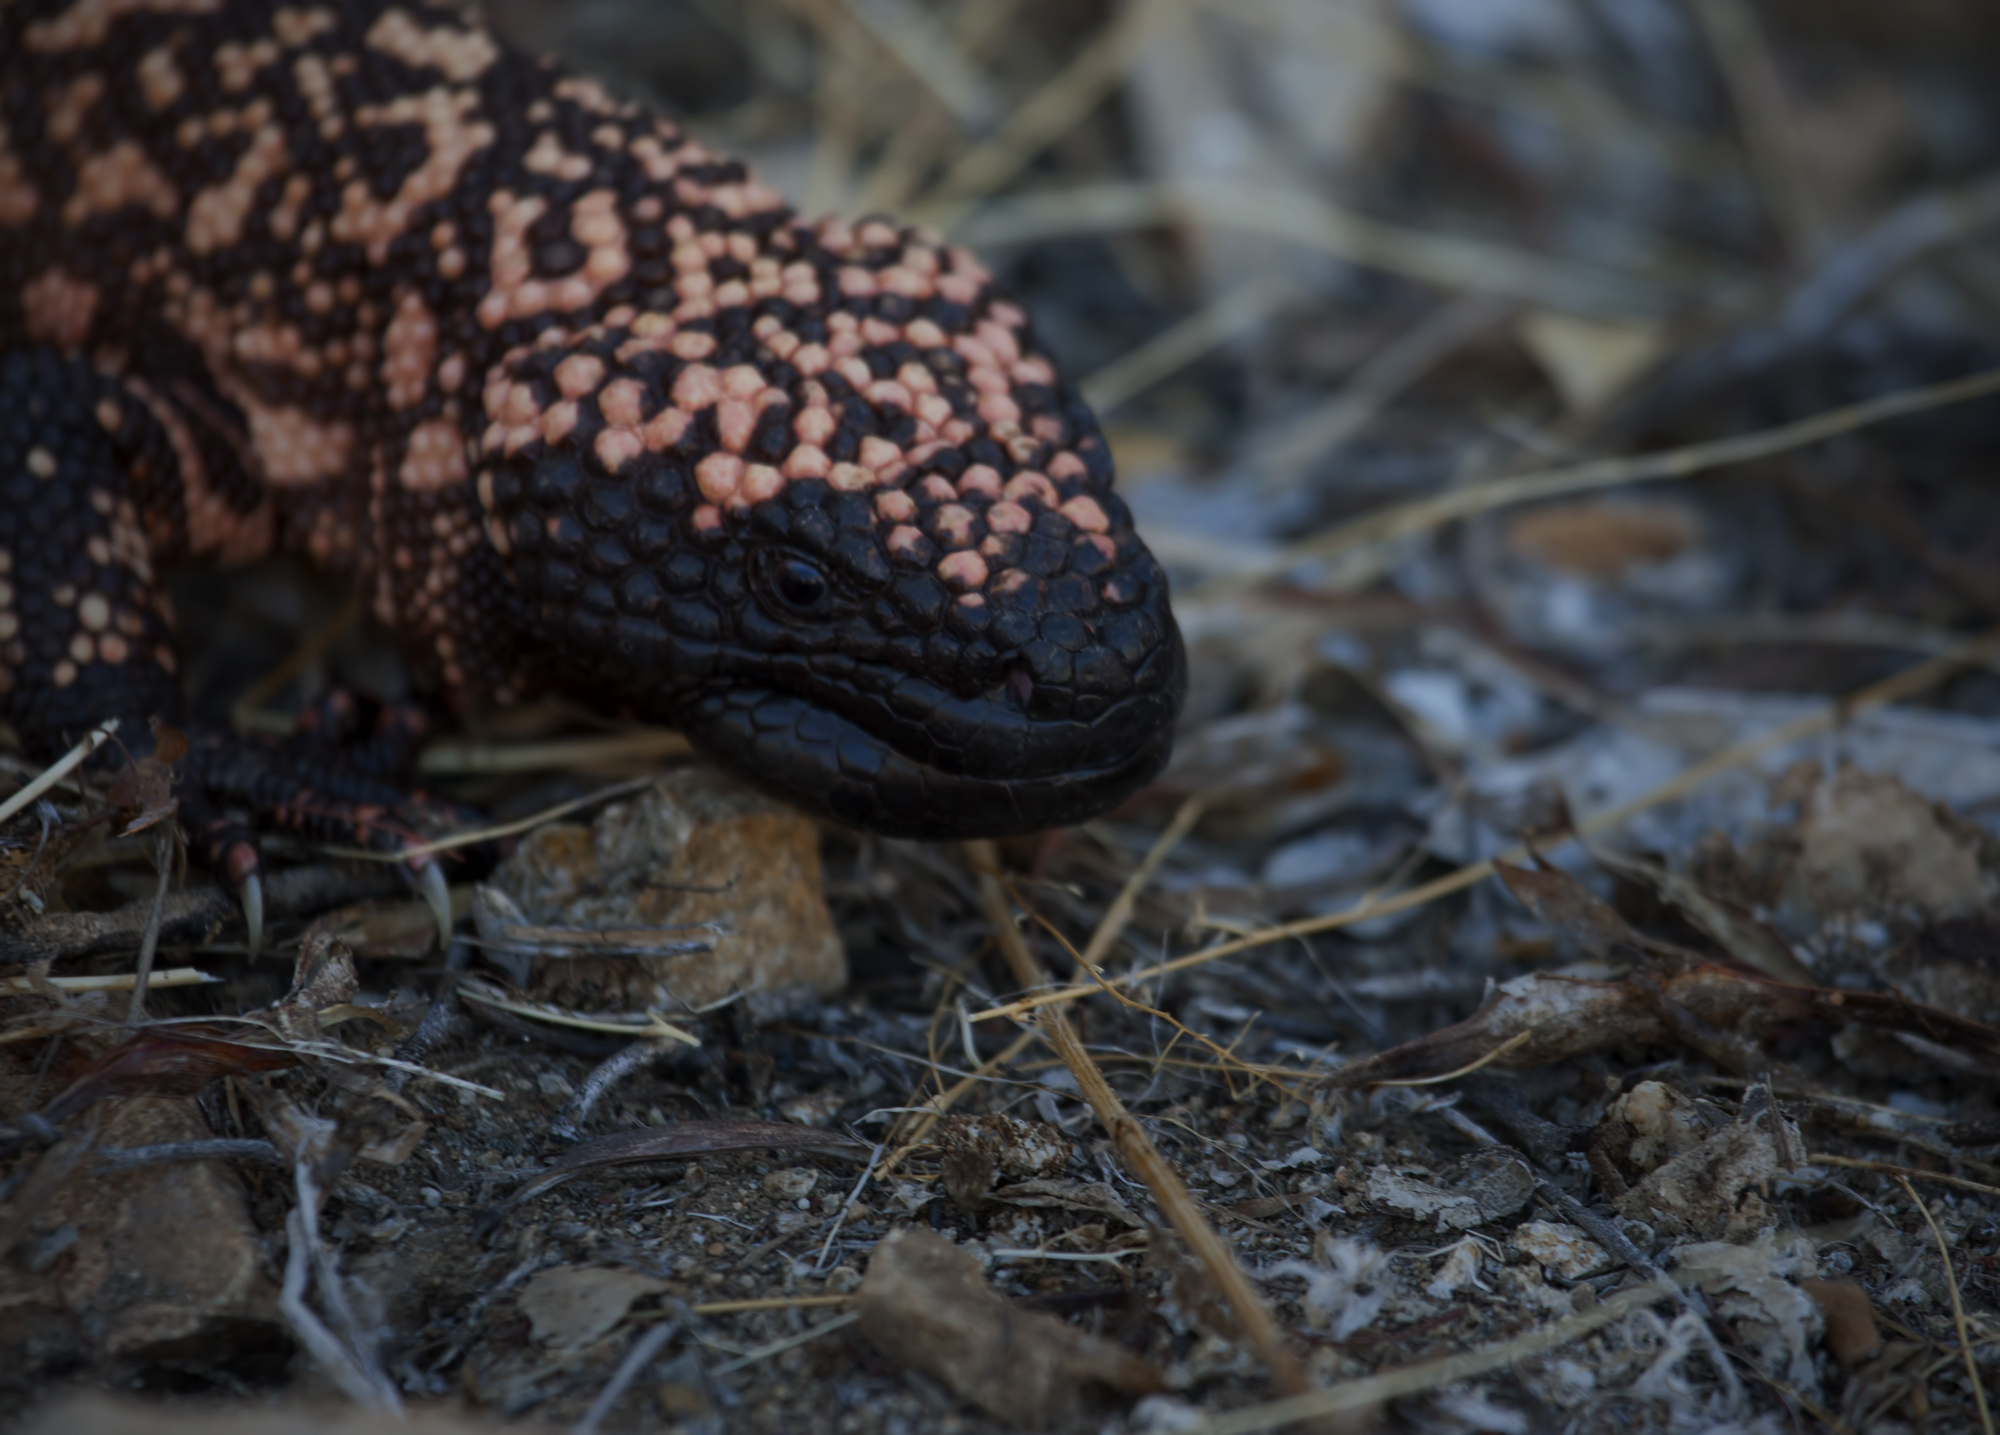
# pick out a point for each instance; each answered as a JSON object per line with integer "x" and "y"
{"x": 1957, "y": 1307}
{"x": 1134, "y": 1146}
{"x": 1109, "y": 928}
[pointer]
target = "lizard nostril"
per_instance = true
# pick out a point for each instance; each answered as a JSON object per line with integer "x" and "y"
{"x": 1020, "y": 684}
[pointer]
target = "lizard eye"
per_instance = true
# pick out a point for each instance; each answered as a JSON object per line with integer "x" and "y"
{"x": 798, "y": 586}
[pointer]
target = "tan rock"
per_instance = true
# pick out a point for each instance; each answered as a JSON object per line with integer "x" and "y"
{"x": 156, "y": 1262}
{"x": 695, "y": 848}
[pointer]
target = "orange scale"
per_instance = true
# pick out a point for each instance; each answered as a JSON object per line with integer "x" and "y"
{"x": 879, "y": 453}
{"x": 1023, "y": 486}
{"x": 665, "y": 428}
{"x": 618, "y": 447}
{"x": 622, "y": 403}
{"x": 998, "y": 409}
{"x": 718, "y": 476}
{"x": 952, "y": 524}
{"x": 981, "y": 479}
{"x": 558, "y": 422}
{"x": 1086, "y": 513}
{"x": 807, "y": 461}
{"x": 697, "y": 387}
{"x": 743, "y": 381}
{"x": 579, "y": 374}
{"x": 735, "y": 423}
{"x": 907, "y": 544}
{"x": 1008, "y": 517}
{"x": 962, "y": 570}
{"x": 760, "y": 482}
{"x": 815, "y": 424}
{"x": 889, "y": 394}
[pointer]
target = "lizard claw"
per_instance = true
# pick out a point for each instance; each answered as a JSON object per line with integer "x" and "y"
{"x": 430, "y": 885}
{"x": 250, "y": 892}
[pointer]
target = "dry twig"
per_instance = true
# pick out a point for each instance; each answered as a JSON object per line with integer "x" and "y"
{"x": 1135, "y": 1146}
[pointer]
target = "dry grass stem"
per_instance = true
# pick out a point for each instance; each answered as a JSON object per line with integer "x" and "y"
{"x": 110, "y": 981}
{"x": 248, "y": 711}
{"x": 1134, "y": 1146}
{"x": 930, "y": 55}
{"x": 1297, "y": 216}
{"x": 1052, "y": 111}
{"x": 1388, "y": 372}
{"x": 1518, "y": 1039}
{"x": 472, "y": 837}
{"x": 149, "y": 942}
{"x": 1406, "y": 520}
{"x": 1180, "y": 344}
{"x": 1942, "y": 1178}
{"x": 1908, "y": 683}
{"x": 1769, "y": 138}
{"x": 1957, "y": 1307}
{"x": 645, "y": 1024}
{"x": 1118, "y": 915}
{"x": 1374, "y": 1390}
{"x": 491, "y": 759}
{"x": 59, "y": 769}
{"x": 776, "y": 1302}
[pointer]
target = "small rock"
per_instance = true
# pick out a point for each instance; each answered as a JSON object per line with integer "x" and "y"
{"x": 925, "y": 1303}
{"x": 792, "y": 1183}
{"x": 1561, "y": 1248}
{"x": 118, "y": 1281}
{"x": 694, "y": 848}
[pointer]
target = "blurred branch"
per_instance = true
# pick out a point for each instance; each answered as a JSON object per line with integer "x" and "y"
{"x": 1302, "y": 218}
{"x": 1405, "y": 520}
{"x": 1388, "y": 372}
{"x": 1180, "y": 344}
{"x": 1758, "y": 93}
{"x": 1587, "y": 111}
{"x": 1051, "y": 111}
{"x": 924, "y": 133}
{"x": 932, "y": 57}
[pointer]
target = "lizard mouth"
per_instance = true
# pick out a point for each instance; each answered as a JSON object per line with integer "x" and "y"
{"x": 825, "y": 761}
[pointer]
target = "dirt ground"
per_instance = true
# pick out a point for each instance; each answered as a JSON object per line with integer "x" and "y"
{"x": 1555, "y": 987}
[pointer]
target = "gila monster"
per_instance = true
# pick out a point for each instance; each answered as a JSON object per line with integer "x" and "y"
{"x": 577, "y": 404}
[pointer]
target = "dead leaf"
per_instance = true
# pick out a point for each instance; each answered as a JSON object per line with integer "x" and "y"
{"x": 164, "y": 1062}
{"x": 1701, "y": 1192}
{"x": 1728, "y": 924}
{"x": 1590, "y": 360}
{"x": 569, "y": 1307}
{"x": 925, "y": 1303}
{"x": 143, "y": 791}
{"x": 1751, "y": 1286}
{"x": 1851, "y": 1332}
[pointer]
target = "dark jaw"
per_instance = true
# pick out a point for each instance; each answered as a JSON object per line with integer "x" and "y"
{"x": 821, "y": 762}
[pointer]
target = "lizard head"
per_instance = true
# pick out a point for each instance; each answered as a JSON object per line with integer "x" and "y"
{"x": 863, "y": 552}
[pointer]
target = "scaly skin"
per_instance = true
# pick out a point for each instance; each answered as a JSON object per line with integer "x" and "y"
{"x": 578, "y": 404}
